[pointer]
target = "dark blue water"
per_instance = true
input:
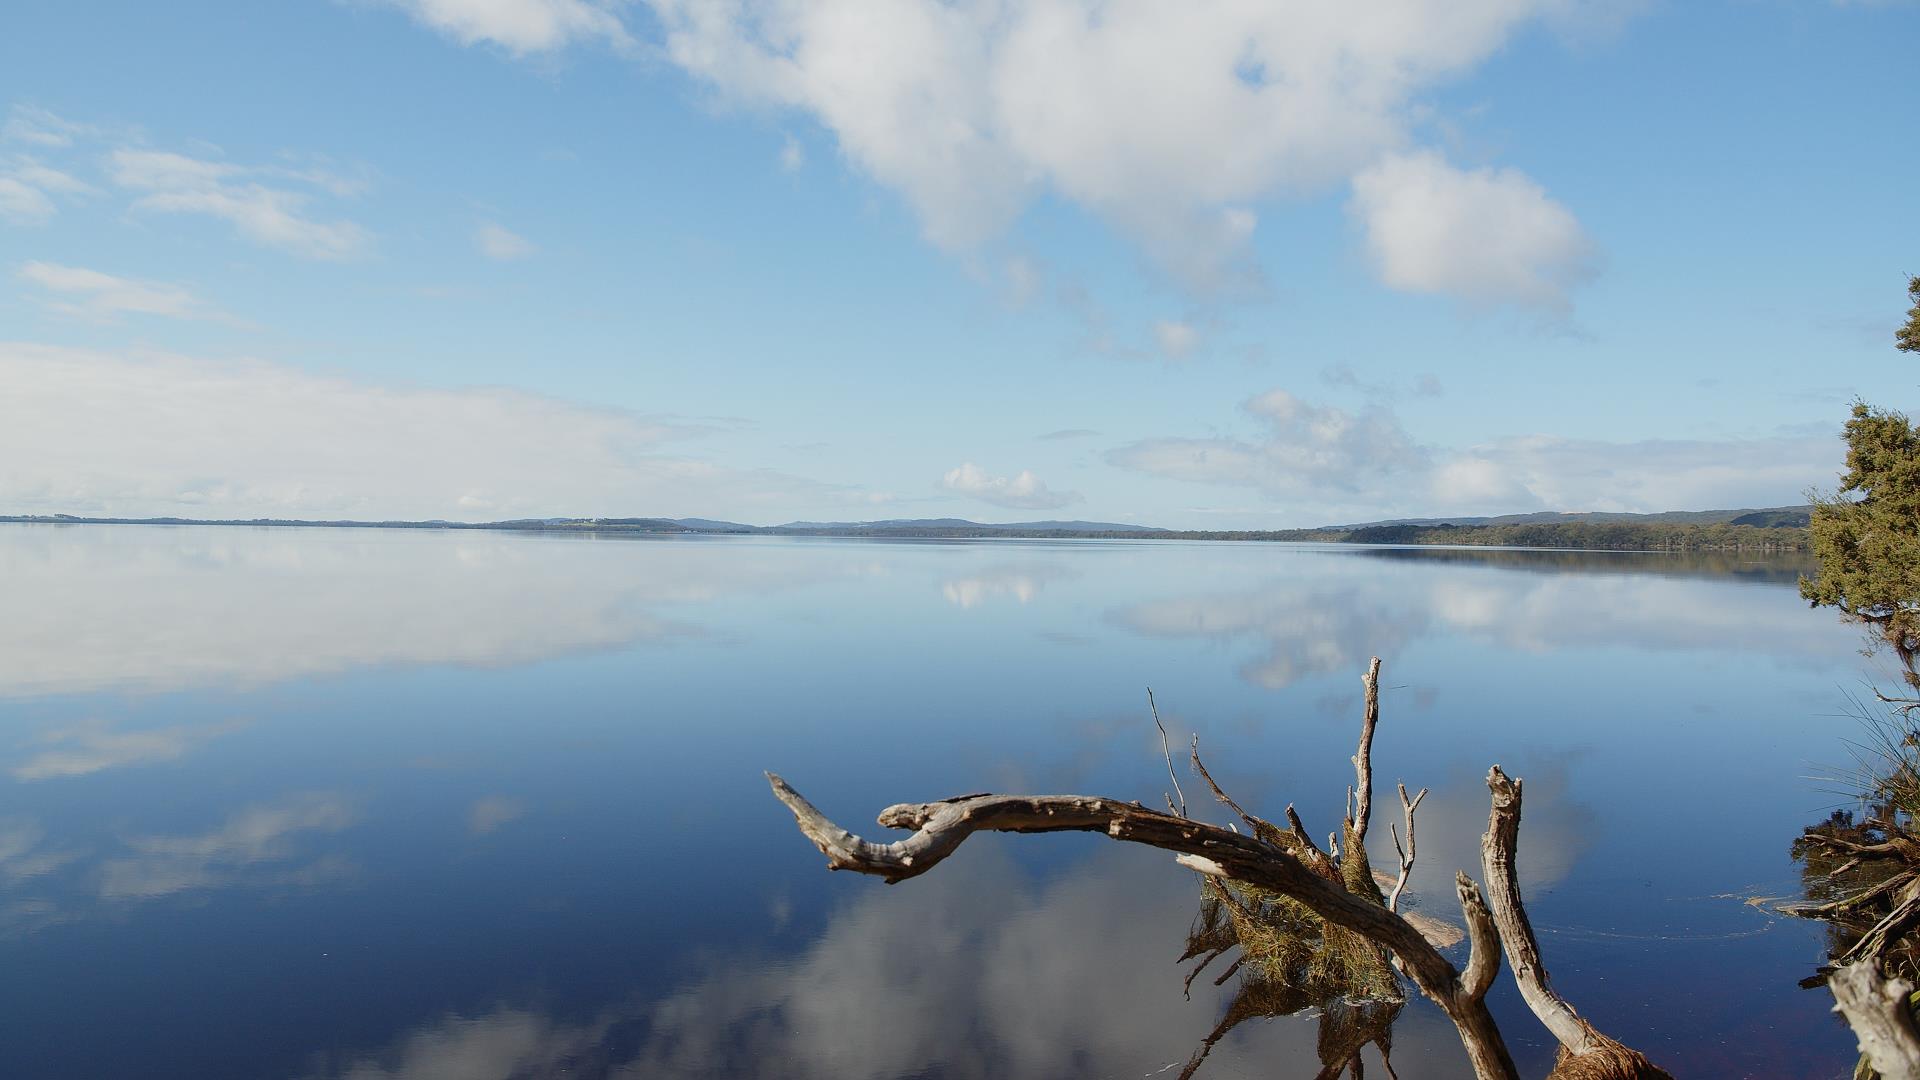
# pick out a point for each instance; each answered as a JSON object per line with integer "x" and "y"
{"x": 378, "y": 804}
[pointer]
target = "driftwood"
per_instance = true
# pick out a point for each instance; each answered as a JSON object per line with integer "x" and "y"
{"x": 1284, "y": 862}
{"x": 1878, "y": 1010}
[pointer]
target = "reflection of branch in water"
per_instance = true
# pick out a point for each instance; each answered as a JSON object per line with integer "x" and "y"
{"x": 1291, "y": 961}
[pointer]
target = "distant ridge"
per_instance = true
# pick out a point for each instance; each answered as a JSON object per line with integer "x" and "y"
{"x": 1777, "y": 517}
{"x": 1780, "y": 528}
{"x": 963, "y": 523}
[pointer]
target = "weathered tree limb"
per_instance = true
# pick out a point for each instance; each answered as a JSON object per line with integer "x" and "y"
{"x": 940, "y": 828}
{"x": 1877, "y": 1010}
{"x": 1363, "y": 758}
{"x": 1584, "y": 1052}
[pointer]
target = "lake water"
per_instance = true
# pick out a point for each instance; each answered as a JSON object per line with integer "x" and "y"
{"x": 289, "y": 803}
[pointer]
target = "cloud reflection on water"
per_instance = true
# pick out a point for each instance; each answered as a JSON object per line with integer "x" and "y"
{"x": 91, "y": 747}
{"x": 163, "y": 608}
{"x": 984, "y": 972}
{"x": 1335, "y": 611}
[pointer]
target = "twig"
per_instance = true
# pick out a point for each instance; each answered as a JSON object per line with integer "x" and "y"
{"x": 1166, "y": 753}
{"x": 1407, "y": 807}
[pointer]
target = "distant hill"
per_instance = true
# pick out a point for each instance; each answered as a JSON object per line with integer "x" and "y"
{"x": 1780, "y": 528}
{"x": 1789, "y": 517}
{"x": 894, "y": 524}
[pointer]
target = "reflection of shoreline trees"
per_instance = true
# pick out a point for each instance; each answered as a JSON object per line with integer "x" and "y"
{"x": 1335, "y": 887}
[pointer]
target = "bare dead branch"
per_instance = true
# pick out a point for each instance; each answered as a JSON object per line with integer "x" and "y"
{"x": 1584, "y": 1052}
{"x": 1497, "y": 849}
{"x": 1263, "y": 830}
{"x": 942, "y": 826}
{"x": 1363, "y": 758}
{"x": 1407, "y": 808}
{"x": 1483, "y": 948}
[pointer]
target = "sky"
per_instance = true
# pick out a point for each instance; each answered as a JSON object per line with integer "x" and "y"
{"x": 1212, "y": 264}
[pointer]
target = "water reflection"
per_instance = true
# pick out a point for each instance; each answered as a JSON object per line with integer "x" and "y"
{"x": 91, "y": 747}
{"x": 150, "y": 608}
{"x": 987, "y": 974}
{"x": 257, "y": 845}
{"x": 1020, "y": 581}
{"x": 1360, "y": 603}
{"x": 1309, "y": 627}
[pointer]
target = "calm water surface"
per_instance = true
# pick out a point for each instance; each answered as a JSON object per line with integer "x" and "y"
{"x": 365, "y": 804}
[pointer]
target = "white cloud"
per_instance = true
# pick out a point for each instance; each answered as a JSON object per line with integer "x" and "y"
{"x": 1371, "y": 465}
{"x": 497, "y": 242}
{"x": 139, "y": 435}
{"x": 40, "y": 127}
{"x": 22, "y": 203}
{"x": 1307, "y": 448}
{"x": 1168, "y": 120}
{"x": 1023, "y": 491}
{"x": 793, "y": 156}
{"x": 27, "y": 188}
{"x": 1552, "y": 473}
{"x": 273, "y": 216}
{"x": 95, "y": 295}
{"x": 1487, "y": 236}
{"x": 1177, "y": 340}
{"x": 520, "y": 26}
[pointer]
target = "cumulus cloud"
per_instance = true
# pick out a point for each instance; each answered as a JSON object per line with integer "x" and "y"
{"x": 1022, "y": 491}
{"x": 520, "y": 26}
{"x": 268, "y": 215}
{"x": 95, "y": 295}
{"x": 144, "y": 435}
{"x": 1485, "y": 235}
{"x": 1170, "y": 121}
{"x": 500, "y": 243}
{"x": 1306, "y": 448}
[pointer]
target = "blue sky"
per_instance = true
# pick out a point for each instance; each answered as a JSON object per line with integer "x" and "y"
{"x": 1201, "y": 265}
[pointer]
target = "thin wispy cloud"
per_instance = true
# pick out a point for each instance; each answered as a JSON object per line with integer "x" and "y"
{"x": 501, "y": 244}
{"x": 150, "y": 434}
{"x": 1309, "y": 454}
{"x": 102, "y": 297}
{"x": 36, "y": 126}
{"x": 272, "y": 216}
